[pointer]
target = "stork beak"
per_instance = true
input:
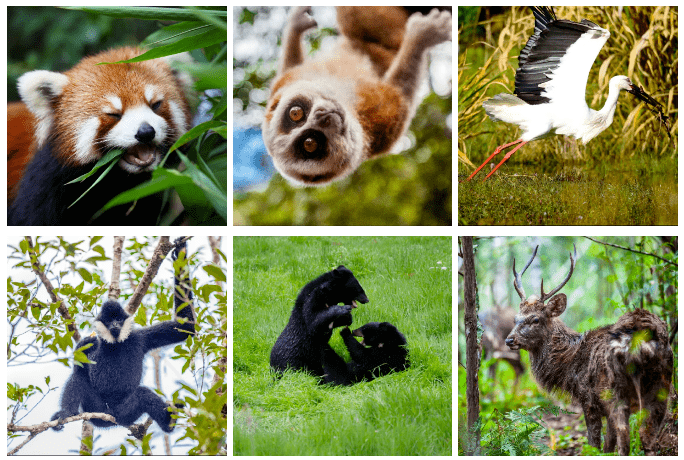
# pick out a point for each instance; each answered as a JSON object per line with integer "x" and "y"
{"x": 657, "y": 109}
{"x": 640, "y": 94}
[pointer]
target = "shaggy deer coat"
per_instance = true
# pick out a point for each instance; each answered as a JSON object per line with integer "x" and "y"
{"x": 610, "y": 371}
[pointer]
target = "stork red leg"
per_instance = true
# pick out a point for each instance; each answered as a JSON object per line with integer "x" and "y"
{"x": 506, "y": 157}
{"x": 496, "y": 152}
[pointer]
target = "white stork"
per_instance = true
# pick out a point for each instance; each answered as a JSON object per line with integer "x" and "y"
{"x": 551, "y": 81}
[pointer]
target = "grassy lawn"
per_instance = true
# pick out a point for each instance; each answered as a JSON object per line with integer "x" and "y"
{"x": 408, "y": 282}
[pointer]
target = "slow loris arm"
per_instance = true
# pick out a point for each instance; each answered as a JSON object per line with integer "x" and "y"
{"x": 422, "y": 32}
{"x": 298, "y": 22}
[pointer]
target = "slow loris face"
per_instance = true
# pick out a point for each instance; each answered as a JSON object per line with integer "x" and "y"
{"x": 329, "y": 114}
{"x": 313, "y": 138}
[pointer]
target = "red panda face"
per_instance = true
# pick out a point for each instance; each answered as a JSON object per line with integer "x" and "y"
{"x": 139, "y": 129}
{"x": 92, "y": 109}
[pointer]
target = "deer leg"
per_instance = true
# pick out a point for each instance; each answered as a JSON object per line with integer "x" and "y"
{"x": 619, "y": 415}
{"x": 651, "y": 428}
{"x": 611, "y": 438}
{"x": 592, "y": 417}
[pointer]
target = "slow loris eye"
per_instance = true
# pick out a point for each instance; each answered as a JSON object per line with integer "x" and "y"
{"x": 310, "y": 144}
{"x": 296, "y": 113}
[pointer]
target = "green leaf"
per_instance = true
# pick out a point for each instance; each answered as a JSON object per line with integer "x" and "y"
{"x": 150, "y": 14}
{"x": 216, "y": 272}
{"x": 85, "y": 274}
{"x": 211, "y": 36}
{"x": 109, "y": 157}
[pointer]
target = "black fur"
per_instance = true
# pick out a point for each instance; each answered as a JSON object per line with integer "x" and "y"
{"x": 112, "y": 384}
{"x": 42, "y": 197}
{"x": 382, "y": 350}
{"x": 303, "y": 342}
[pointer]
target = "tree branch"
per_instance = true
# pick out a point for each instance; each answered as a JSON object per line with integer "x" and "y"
{"x": 62, "y": 308}
{"x": 631, "y": 250}
{"x": 158, "y": 256}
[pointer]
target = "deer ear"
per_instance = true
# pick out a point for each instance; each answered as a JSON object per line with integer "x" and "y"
{"x": 557, "y": 305}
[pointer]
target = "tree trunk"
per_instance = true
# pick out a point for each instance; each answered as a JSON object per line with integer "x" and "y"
{"x": 472, "y": 348}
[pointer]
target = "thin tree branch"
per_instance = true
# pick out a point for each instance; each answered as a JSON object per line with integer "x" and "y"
{"x": 114, "y": 286}
{"x": 160, "y": 253}
{"x": 62, "y": 308}
{"x": 632, "y": 250}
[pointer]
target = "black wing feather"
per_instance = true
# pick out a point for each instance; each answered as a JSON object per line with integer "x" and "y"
{"x": 543, "y": 52}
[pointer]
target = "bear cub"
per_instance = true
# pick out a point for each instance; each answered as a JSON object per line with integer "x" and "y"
{"x": 304, "y": 342}
{"x": 382, "y": 350}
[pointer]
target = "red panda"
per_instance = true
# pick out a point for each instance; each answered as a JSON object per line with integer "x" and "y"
{"x": 68, "y": 121}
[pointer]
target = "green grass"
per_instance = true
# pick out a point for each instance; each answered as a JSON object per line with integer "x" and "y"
{"x": 405, "y": 413}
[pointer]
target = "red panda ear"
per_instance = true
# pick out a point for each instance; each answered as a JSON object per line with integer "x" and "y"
{"x": 38, "y": 89}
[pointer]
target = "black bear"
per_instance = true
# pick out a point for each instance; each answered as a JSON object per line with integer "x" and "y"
{"x": 302, "y": 344}
{"x": 382, "y": 350}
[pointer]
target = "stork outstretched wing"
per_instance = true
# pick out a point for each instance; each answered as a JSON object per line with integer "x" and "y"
{"x": 554, "y": 65}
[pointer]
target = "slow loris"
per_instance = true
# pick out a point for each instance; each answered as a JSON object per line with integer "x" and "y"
{"x": 327, "y": 115}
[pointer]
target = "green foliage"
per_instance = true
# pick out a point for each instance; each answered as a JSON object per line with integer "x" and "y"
{"x": 605, "y": 281}
{"x": 637, "y": 191}
{"x": 404, "y": 413}
{"x": 515, "y": 433}
{"x": 395, "y": 418}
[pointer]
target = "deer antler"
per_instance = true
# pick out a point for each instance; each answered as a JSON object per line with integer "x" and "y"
{"x": 545, "y": 297}
{"x": 517, "y": 283}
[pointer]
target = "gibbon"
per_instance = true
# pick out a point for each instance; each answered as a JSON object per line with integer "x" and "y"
{"x": 112, "y": 384}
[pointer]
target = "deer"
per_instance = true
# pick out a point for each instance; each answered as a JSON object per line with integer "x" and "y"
{"x": 610, "y": 372}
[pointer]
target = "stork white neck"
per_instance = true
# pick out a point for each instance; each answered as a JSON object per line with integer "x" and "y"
{"x": 599, "y": 121}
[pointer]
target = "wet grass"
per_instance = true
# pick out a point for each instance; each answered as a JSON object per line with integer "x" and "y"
{"x": 636, "y": 194}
